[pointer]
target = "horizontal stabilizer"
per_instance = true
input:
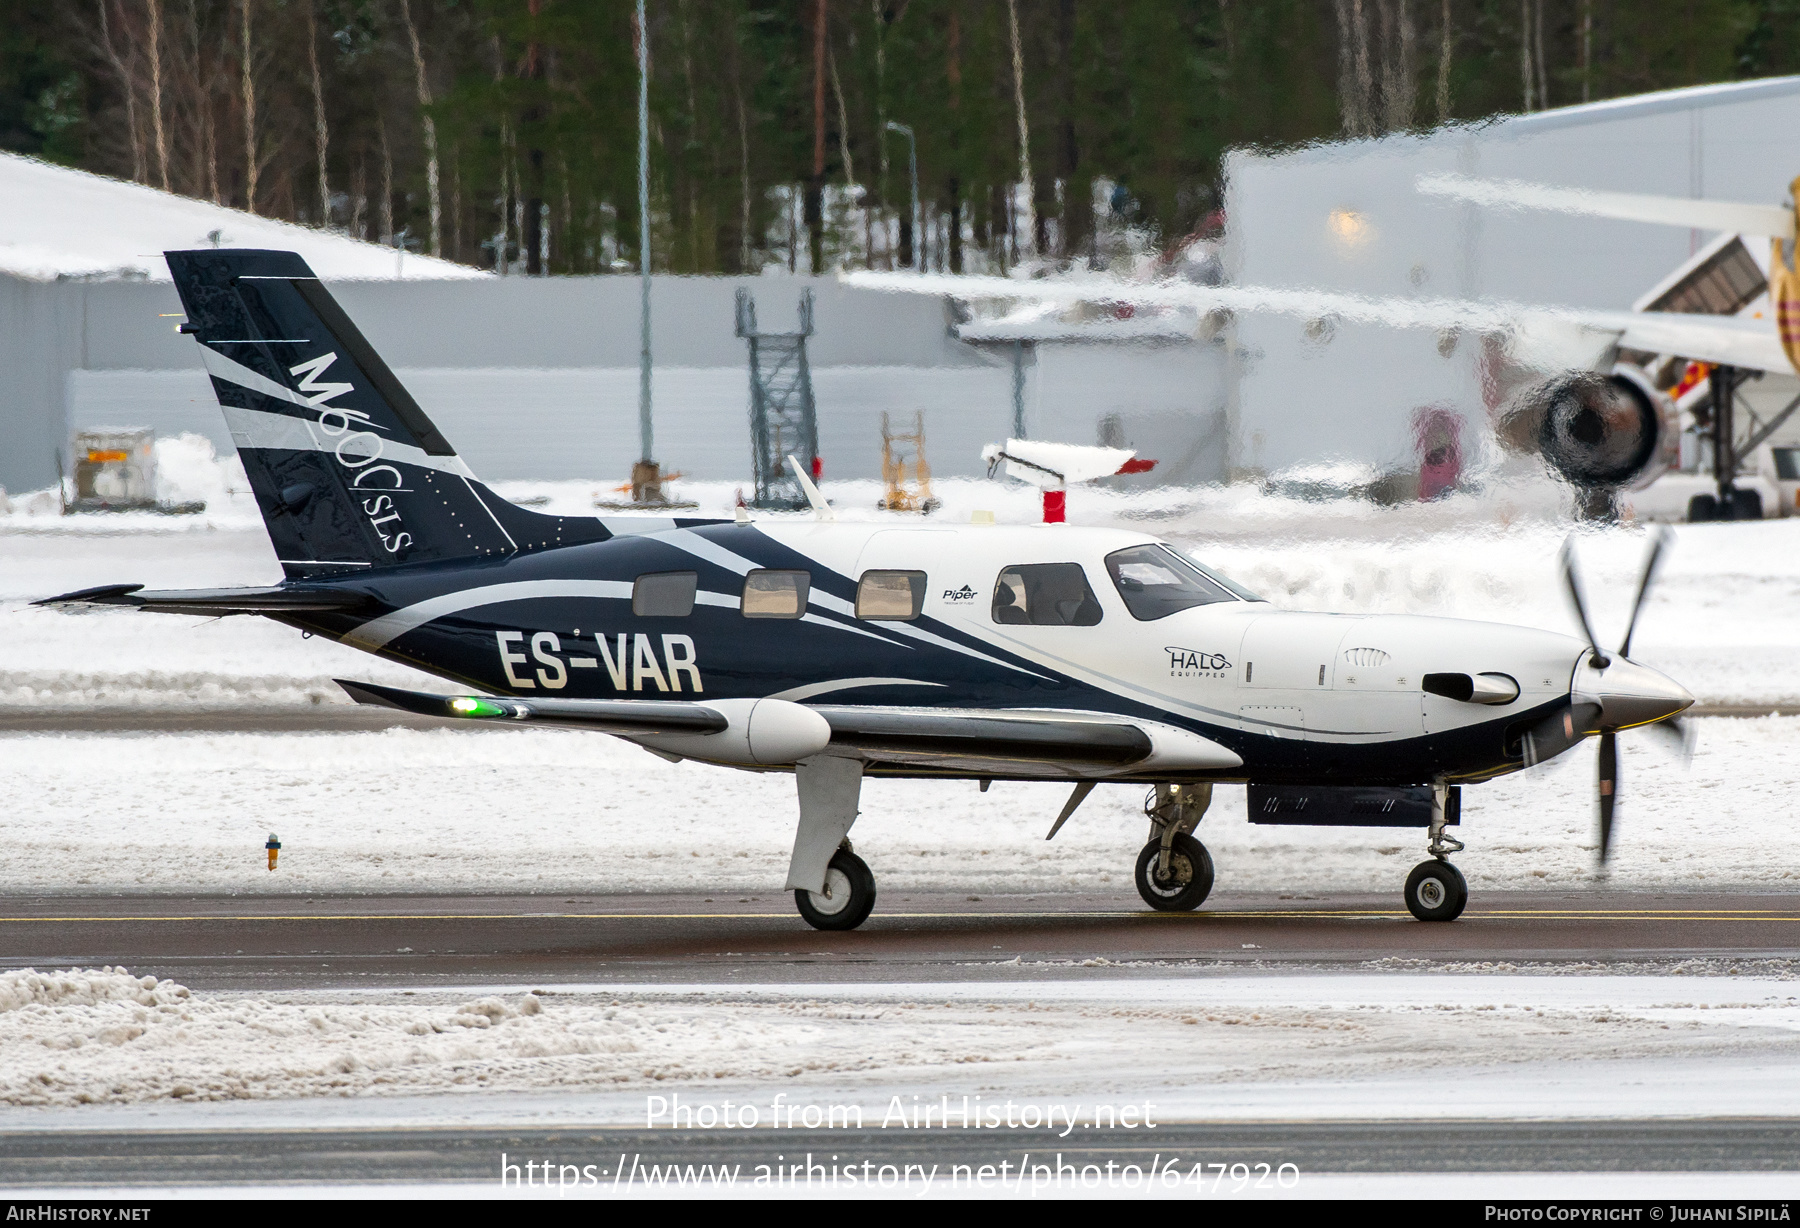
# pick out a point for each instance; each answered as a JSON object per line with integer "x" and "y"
{"x": 213, "y": 601}
{"x": 619, "y": 716}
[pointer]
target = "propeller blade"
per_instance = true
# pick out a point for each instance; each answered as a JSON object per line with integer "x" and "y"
{"x": 1609, "y": 789}
{"x": 1680, "y": 733}
{"x": 1557, "y": 732}
{"x": 1659, "y": 545}
{"x": 1573, "y": 587}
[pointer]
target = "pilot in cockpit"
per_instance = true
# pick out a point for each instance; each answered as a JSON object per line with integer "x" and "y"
{"x": 1009, "y": 601}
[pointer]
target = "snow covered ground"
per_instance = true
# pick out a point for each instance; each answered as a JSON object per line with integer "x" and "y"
{"x": 1227, "y": 1047}
{"x": 565, "y": 811}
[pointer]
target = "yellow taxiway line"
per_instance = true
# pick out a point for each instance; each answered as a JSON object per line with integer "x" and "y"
{"x": 1594, "y": 914}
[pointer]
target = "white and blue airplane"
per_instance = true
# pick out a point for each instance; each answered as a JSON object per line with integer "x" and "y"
{"x": 837, "y": 651}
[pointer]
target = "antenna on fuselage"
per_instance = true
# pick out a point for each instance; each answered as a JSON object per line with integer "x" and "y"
{"x": 812, "y": 492}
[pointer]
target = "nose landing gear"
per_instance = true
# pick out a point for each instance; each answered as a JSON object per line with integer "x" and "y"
{"x": 1436, "y": 890}
{"x": 1174, "y": 871}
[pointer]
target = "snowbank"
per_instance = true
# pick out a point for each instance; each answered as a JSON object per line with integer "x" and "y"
{"x": 124, "y": 1041}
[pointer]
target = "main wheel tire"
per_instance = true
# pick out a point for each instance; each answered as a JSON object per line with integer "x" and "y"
{"x": 1190, "y": 875}
{"x": 1746, "y": 504}
{"x": 1436, "y": 891}
{"x": 1702, "y": 508}
{"x": 848, "y": 898}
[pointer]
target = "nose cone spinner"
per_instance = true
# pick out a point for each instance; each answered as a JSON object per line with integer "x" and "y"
{"x": 1630, "y": 694}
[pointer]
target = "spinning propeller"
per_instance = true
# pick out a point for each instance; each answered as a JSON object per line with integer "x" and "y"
{"x": 1611, "y": 692}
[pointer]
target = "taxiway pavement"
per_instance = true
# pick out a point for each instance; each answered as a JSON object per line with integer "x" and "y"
{"x": 326, "y": 942}
{"x": 461, "y": 1154}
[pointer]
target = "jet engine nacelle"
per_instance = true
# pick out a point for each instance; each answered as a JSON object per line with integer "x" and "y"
{"x": 1597, "y": 431}
{"x": 760, "y": 733}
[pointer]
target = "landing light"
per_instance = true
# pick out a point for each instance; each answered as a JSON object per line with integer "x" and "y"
{"x": 466, "y": 705}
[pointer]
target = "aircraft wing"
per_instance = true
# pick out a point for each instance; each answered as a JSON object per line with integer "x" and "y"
{"x": 1548, "y": 337}
{"x": 999, "y": 742}
{"x": 1726, "y": 340}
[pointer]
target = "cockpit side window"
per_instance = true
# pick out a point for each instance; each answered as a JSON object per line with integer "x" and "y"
{"x": 1045, "y": 595}
{"x": 1155, "y": 582}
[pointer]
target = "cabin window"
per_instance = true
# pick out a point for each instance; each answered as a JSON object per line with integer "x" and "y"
{"x": 664, "y": 594}
{"x": 890, "y": 596}
{"x": 1045, "y": 595}
{"x": 776, "y": 594}
{"x": 1154, "y": 582}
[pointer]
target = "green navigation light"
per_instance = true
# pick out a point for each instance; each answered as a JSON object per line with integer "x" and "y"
{"x": 468, "y": 705}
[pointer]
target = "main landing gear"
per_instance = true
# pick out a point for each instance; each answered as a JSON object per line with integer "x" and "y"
{"x": 833, "y": 888}
{"x": 1175, "y": 872}
{"x": 1436, "y": 890}
{"x": 848, "y": 898}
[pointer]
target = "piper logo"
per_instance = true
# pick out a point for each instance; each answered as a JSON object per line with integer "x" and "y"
{"x": 956, "y": 596}
{"x": 356, "y": 450}
{"x": 1192, "y": 663}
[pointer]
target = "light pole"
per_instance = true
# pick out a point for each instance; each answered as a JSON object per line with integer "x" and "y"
{"x": 646, "y": 483}
{"x": 912, "y": 158}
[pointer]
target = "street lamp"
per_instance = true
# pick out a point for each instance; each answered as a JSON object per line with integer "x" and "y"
{"x": 912, "y": 158}
{"x": 646, "y": 480}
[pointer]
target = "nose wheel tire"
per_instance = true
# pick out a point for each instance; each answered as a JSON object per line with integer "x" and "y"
{"x": 1188, "y": 881}
{"x": 1436, "y": 891}
{"x": 848, "y": 898}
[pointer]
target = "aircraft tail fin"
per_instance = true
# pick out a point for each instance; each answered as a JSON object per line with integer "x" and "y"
{"x": 348, "y": 471}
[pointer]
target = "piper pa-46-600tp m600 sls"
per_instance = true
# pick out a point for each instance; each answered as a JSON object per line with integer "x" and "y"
{"x": 836, "y": 651}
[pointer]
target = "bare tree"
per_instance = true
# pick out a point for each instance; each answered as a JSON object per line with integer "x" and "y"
{"x": 1443, "y": 82}
{"x": 153, "y": 12}
{"x": 1402, "y": 95}
{"x": 1543, "y": 69}
{"x": 127, "y": 88}
{"x": 321, "y": 133}
{"x": 1347, "y": 109}
{"x": 1365, "y": 83}
{"x": 1018, "y": 67}
{"x": 359, "y": 198}
{"x": 252, "y": 168}
{"x": 430, "y": 126}
{"x": 743, "y": 127}
{"x": 881, "y": 139}
{"x": 202, "y": 85}
{"x": 387, "y": 181}
{"x": 1525, "y": 51}
{"x": 837, "y": 93}
{"x": 813, "y": 205}
{"x": 1587, "y": 50}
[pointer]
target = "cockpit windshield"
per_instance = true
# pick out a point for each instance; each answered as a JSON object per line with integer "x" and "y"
{"x": 1155, "y": 582}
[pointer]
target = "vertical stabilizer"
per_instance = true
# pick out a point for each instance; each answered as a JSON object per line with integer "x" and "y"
{"x": 348, "y": 471}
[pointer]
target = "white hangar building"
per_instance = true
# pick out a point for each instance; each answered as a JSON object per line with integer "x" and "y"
{"x": 536, "y": 377}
